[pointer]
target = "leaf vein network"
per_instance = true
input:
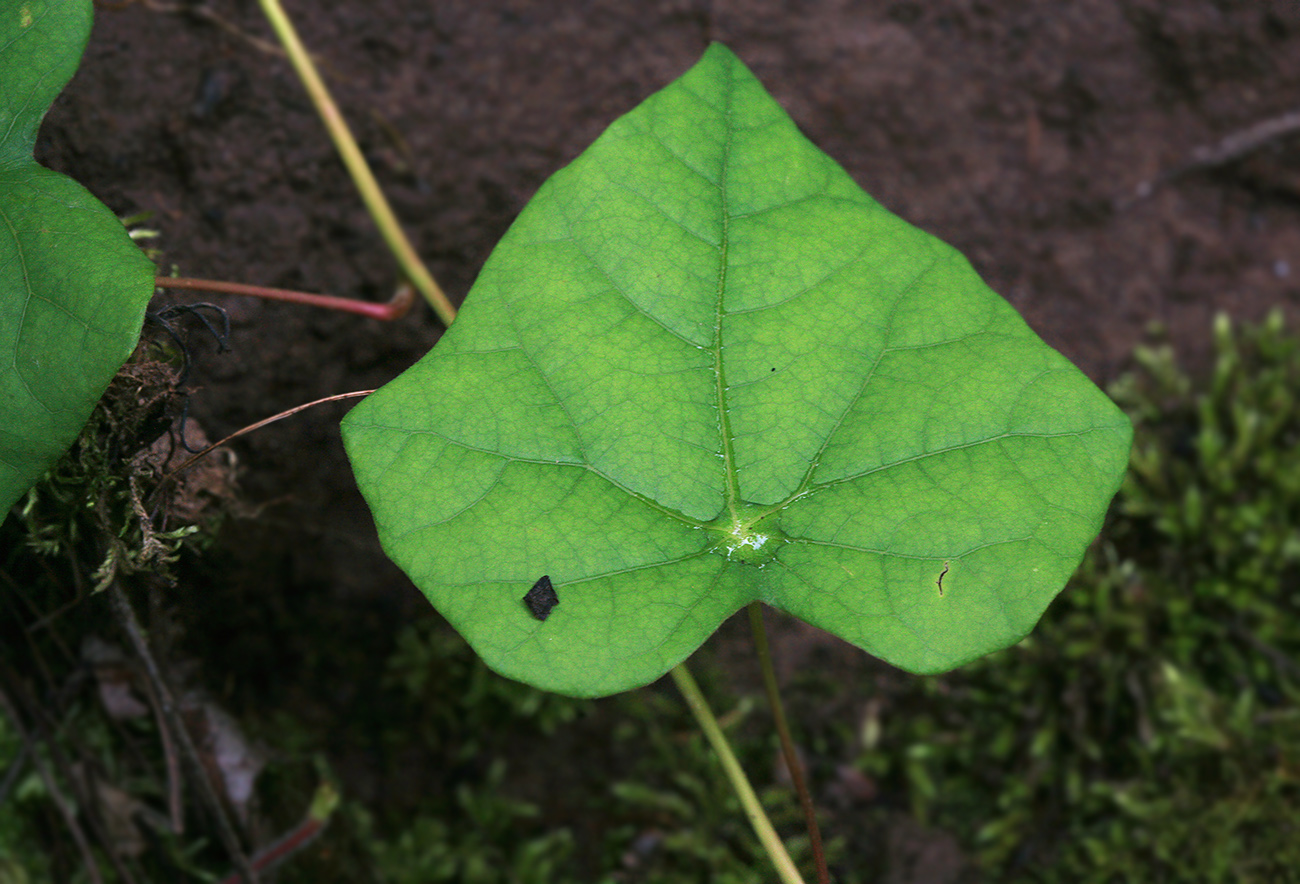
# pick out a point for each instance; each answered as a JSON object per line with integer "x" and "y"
{"x": 487, "y": 490}
{"x": 825, "y": 278}
{"x": 22, "y": 318}
{"x": 812, "y": 489}
{"x": 623, "y": 185}
{"x": 806, "y": 483}
{"x": 617, "y": 289}
{"x": 812, "y": 541}
{"x": 545, "y": 462}
{"x": 819, "y": 195}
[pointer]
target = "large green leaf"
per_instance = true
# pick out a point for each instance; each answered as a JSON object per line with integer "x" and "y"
{"x": 704, "y": 368}
{"x": 73, "y": 287}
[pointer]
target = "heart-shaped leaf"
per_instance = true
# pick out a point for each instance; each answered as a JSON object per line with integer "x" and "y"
{"x": 73, "y": 287}
{"x": 704, "y": 368}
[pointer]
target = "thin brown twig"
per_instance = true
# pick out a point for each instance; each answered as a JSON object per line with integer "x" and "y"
{"x": 175, "y": 808}
{"x": 80, "y": 782}
{"x": 1279, "y": 658}
{"x": 84, "y": 780}
{"x": 1244, "y": 141}
{"x": 1226, "y": 150}
{"x": 13, "y": 772}
{"x": 225, "y": 830}
{"x": 47, "y": 729}
{"x": 41, "y": 621}
{"x": 257, "y": 426}
{"x": 61, "y": 803}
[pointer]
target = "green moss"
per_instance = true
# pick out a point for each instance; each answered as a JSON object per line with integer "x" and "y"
{"x": 1149, "y": 729}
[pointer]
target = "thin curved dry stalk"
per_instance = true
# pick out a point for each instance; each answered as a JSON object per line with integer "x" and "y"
{"x": 61, "y": 803}
{"x": 257, "y": 426}
{"x": 225, "y": 830}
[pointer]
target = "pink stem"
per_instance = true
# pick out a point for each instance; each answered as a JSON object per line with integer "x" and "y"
{"x": 394, "y": 309}
{"x": 298, "y": 838}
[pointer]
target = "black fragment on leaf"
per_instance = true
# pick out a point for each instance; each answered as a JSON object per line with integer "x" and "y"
{"x": 541, "y": 598}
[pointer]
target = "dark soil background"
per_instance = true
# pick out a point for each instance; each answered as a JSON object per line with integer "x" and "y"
{"x": 1017, "y": 131}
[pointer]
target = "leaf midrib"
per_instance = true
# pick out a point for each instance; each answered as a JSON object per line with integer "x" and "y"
{"x": 719, "y": 373}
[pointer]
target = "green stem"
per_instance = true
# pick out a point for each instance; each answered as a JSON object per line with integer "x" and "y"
{"x": 792, "y": 762}
{"x": 364, "y": 179}
{"x": 785, "y": 867}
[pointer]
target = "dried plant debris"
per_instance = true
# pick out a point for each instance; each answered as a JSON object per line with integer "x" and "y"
{"x": 542, "y": 598}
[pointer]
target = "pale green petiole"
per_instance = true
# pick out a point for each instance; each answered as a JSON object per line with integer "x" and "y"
{"x": 358, "y": 168}
{"x": 785, "y": 867}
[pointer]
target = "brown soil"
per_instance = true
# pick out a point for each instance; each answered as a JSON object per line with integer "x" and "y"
{"x": 1014, "y": 130}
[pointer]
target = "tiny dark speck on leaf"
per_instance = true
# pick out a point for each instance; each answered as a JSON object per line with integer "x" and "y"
{"x": 541, "y": 598}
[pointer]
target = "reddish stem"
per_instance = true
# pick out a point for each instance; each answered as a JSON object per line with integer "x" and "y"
{"x": 299, "y": 837}
{"x": 792, "y": 763}
{"x": 398, "y": 307}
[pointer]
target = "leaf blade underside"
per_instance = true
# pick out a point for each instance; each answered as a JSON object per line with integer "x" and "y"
{"x": 705, "y": 368}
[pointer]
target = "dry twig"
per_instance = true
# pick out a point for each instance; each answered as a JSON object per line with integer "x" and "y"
{"x": 1224, "y": 151}
{"x": 64, "y": 808}
{"x": 126, "y": 618}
